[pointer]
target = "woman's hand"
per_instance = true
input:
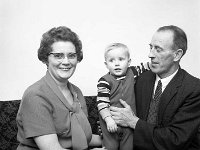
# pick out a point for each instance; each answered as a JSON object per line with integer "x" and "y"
{"x": 96, "y": 141}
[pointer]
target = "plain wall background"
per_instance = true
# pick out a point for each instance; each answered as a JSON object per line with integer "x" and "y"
{"x": 98, "y": 23}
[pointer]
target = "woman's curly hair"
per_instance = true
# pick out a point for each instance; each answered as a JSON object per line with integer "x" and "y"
{"x": 61, "y": 33}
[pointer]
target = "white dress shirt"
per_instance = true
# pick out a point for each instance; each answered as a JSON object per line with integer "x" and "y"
{"x": 165, "y": 81}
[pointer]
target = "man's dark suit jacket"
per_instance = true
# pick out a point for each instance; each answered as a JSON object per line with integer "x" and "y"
{"x": 178, "y": 114}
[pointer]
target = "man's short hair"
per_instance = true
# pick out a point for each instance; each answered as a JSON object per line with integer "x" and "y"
{"x": 180, "y": 38}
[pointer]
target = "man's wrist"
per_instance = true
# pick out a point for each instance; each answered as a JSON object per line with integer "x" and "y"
{"x": 133, "y": 122}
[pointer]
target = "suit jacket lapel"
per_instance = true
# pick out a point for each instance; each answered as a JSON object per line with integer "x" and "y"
{"x": 147, "y": 93}
{"x": 169, "y": 93}
{"x": 52, "y": 84}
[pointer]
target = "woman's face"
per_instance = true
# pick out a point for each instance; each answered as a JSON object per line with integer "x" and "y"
{"x": 62, "y": 61}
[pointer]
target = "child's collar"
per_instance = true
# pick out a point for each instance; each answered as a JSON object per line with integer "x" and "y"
{"x": 118, "y": 78}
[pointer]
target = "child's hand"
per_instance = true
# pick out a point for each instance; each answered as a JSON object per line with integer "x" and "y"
{"x": 111, "y": 125}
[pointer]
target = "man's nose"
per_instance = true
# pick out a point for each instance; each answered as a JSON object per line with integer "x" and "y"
{"x": 151, "y": 53}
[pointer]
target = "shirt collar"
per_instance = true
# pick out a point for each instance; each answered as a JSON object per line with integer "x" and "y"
{"x": 165, "y": 81}
{"x": 120, "y": 77}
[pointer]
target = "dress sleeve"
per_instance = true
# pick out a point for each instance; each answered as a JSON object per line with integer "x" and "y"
{"x": 36, "y": 116}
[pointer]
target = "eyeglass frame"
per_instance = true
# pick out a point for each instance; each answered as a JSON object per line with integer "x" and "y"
{"x": 62, "y": 56}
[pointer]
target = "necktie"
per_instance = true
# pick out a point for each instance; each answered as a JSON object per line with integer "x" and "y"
{"x": 153, "y": 110}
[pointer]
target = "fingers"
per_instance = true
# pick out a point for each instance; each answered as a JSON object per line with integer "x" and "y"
{"x": 115, "y": 114}
{"x": 99, "y": 130}
{"x": 103, "y": 148}
{"x": 124, "y": 103}
{"x": 112, "y": 112}
{"x": 114, "y": 109}
{"x": 112, "y": 129}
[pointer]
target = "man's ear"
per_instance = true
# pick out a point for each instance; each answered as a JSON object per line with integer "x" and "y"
{"x": 178, "y": 54}
{"x": 129, "y": 62}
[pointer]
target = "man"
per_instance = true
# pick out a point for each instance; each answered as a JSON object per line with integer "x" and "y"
{"x": 168, "y": 118}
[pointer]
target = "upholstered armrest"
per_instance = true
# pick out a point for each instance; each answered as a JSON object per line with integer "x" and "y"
{"x": 8, "y": 126}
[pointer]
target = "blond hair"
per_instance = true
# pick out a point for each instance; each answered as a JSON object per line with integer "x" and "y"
{"x": 114, "y": 46}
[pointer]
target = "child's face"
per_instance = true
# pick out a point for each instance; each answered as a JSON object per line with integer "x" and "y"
{"x": 117, "y": 61}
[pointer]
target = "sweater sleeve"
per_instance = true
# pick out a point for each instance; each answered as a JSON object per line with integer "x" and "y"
{"x": 103, "y": 101}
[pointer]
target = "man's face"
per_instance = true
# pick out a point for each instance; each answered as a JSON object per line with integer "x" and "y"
{"x": 162, "y": 55}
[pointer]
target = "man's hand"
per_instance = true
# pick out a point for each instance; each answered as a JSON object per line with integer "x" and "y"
{"x": 124, "y": 116}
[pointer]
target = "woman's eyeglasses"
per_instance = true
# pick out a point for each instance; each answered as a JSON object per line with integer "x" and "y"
{"x": 61, "y": 56}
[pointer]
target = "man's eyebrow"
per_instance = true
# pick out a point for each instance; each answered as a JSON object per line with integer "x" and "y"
{"x": 155, "y": 46}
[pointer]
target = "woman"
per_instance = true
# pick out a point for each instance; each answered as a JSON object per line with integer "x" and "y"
{"x": 53, "y": 113}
